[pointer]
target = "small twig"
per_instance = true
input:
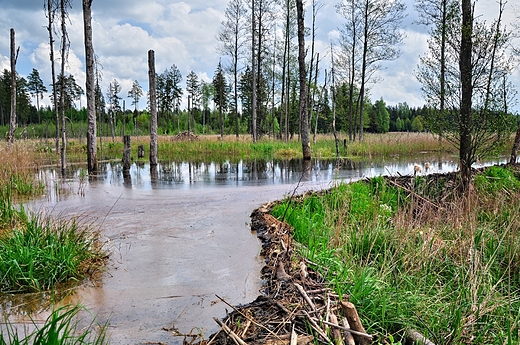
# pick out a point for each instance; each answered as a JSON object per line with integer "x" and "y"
{"x": 317, "y": 328}
{"x": 294, "y": 337}
{"x": 246, "y": 327}
{"x": 361, "y": 334}
{"x": 232, "y": 334}
{"x": 305, "y": 296}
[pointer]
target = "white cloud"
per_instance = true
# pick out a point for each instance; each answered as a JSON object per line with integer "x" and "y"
{"x": 184, "y": 33}
{"x": 4, "y": 63}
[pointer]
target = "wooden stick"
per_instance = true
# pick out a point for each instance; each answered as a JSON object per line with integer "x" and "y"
{"x": 246, "y": 327}
{"x": 349, "y": 339}
{"x": 214, "y": 337}
{"x": 232, "y": 334}
{"x": 418, "y": 338}
{"x": 305, "y": 296}
{"x": 317, "y": 328}
{"x": 336, "y": 333}
{"x": 247, "y": 317}
{"x": 294, "y": 337}
{"x": 361, "y": 334}
{"x": 350, "y": 312}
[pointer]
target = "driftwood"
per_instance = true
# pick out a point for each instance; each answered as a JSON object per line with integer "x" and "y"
{"x": 417, "y": 338}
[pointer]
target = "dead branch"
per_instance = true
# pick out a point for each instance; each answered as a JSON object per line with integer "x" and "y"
{"x": 305, "y": 296}
{"x": 349, "y": 309}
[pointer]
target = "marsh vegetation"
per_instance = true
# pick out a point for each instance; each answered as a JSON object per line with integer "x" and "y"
{"x": 411, "y": 254}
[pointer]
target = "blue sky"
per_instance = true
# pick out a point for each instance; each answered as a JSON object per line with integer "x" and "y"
{"x": 183, "y": 33}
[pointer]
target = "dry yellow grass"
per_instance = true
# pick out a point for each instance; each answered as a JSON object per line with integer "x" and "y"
{"x": 18, "y": 164}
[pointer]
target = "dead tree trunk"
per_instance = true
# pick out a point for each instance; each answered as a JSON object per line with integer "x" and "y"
{"x": 304, "y": 118}
{"x": 12, "y": 122}
{"x": 153, "y": 110}
{"x": 126, "y": 155}
{"x": 91, "y": 96}
{"x": 50, "y": 16}
{"x": 64, "y": 49}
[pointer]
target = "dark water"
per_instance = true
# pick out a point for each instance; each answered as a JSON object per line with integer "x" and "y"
{"x": 179, "y": 236}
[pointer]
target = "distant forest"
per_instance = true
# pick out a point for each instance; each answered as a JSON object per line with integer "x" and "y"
{"x": 116, "y": 118}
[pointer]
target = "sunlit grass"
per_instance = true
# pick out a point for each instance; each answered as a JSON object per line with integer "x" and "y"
{"x": 447, "y": 268}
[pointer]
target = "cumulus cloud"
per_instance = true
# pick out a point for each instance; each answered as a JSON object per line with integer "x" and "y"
{"x": 4, "y": 63}
{"x": 184, "y": 33}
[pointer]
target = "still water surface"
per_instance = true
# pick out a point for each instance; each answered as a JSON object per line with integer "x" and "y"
{"x": 179, "y": 236}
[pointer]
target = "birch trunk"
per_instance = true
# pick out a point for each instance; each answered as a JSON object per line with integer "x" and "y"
{"x": 12, "y": 122}
{"x": 91, "y": 97}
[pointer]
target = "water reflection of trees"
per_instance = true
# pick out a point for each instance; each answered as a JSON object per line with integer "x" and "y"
{"x": 276, "y": 171}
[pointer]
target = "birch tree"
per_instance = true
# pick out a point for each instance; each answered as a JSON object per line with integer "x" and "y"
{"x": 232, "y": 41}
{"x": 92, "y": 165}
{"x": 304, "y": 119}
{"x": 377, "y": 30}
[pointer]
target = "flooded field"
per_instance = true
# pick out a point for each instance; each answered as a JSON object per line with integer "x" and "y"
{"x": 180, "y": 236}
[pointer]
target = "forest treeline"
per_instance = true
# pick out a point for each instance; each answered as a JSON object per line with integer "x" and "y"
{"x": 115, "y": 118}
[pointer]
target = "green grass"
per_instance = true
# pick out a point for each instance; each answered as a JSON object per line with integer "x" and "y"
{"x": 62, "y": 327}
{"x": 213, "y": 148}
{"x": 451, "y": 273}
{"x": 38, "y": 253}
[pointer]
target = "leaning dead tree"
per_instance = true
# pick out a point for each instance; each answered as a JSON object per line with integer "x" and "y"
{"x": 12, "y": 122}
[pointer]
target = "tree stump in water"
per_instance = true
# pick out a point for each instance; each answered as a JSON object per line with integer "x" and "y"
{"x": 126, "y": 155}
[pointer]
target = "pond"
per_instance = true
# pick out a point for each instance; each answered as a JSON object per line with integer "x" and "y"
{"x": 180, "y": 237}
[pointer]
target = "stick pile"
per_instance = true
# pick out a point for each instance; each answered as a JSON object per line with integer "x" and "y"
{"x": 296, "y": 307}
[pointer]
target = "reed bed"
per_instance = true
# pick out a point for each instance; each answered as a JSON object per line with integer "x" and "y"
{"x": 413, "y": 256}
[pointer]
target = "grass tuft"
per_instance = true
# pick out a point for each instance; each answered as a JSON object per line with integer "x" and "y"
{"x": 37, "y": 253}
{"x": 62, "y": 327}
